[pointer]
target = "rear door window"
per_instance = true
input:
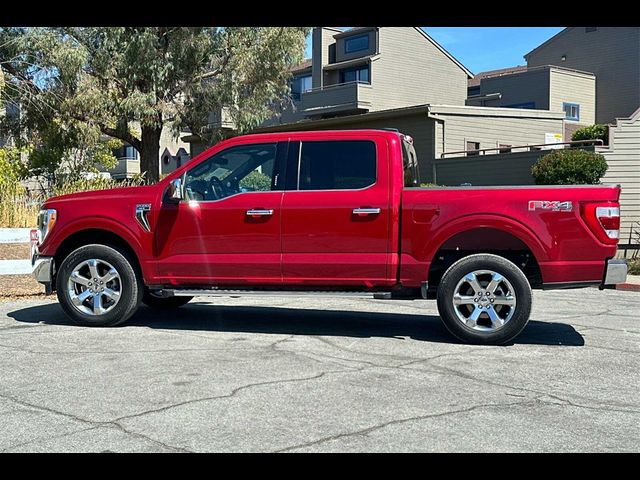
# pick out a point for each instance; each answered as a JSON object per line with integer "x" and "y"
{"x": 336, "y": 165}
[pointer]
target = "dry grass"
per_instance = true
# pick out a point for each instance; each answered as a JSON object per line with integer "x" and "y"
{"x": 20, "y": 210}
{"x": 15, "y": 251}
{"x": 20, "y": 287}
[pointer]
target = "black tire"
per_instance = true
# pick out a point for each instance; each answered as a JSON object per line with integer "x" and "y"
{"x": 163, "y": 303}
{"x": 489, "y": 336}
{"x": 130, "y": 285}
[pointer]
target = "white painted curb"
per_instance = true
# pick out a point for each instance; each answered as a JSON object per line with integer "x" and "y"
{"x": 14, "y": 235}
{"x": 15, "y": 267}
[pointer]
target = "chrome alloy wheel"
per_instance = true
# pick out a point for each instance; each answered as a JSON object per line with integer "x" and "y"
{"x": 94, "y": 287}
{"x": 484, "y": 300}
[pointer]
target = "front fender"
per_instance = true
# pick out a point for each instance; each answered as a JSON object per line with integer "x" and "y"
{"x": 58, "y": 235}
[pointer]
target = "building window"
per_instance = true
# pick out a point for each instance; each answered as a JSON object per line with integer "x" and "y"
{"x": 337, "y": 165}
{"x": 527, "y": 105}
{"x": 472, "y": 146}
{"x": 358, "y": 74}
{"x": 504, "y": 148}
{"x": 299, "y": 85}
{"x": 590, "y": 29}
{"x": 126, "y": 151}
{"x": 332, "y": 53}
{"x": 356, "y": 44}
{"x": 571, "y": 111}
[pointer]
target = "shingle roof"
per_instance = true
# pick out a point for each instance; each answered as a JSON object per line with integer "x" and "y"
{"x": 475, "y": 81}
{"x": 305, "y": 64}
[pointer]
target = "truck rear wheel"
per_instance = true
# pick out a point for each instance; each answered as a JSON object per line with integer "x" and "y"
{"x": 484, "y": 299}
{"x": 97, "y": 286}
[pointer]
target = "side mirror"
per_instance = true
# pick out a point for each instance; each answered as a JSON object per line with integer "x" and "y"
{"x": 175, "y": 189}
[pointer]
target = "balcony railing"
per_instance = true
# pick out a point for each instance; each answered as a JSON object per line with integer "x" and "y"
{"x": 343, "y": 97}
{"x": 126, "y": 167}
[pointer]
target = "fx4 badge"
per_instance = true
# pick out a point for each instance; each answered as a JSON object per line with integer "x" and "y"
{"x": 552, "y": 205}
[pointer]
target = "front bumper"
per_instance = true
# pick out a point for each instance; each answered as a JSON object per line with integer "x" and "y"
{"x": 615, "y": 272}
{"x": 42, "y": 270}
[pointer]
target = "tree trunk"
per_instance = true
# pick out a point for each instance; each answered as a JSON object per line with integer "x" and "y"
{"x": 150, "y": 153}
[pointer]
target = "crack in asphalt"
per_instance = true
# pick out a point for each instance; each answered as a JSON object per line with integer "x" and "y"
{"x": 376, "y": 354}
{"x": 110, "y": 352}
{"x": 366, "y": 431}
{"x": 605, "y": 406}
{"x": 94, "y": 424}
{"x": 47, "y": 438}
{"x": 229, "y": 395}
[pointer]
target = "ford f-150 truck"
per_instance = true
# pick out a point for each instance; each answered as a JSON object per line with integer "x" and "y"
{"x": 331, "y": 212}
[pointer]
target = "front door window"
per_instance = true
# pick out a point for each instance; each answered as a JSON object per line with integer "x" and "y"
{"x": 245, "y": 168}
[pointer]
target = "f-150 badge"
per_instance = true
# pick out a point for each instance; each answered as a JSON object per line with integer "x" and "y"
{"x": 552, "y": 205}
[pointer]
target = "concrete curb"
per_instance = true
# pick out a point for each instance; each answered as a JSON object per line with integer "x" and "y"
{"x": 629, "y": 287}
{"x": 14, "y": 235}
{"x": 15, "y": 267}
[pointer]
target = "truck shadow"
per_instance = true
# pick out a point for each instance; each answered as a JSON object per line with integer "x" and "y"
{"x": 281, "y": 320}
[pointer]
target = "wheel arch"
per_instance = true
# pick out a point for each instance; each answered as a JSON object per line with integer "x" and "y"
{"x": 97, "y": 236}
{"x": 506, "y": 239}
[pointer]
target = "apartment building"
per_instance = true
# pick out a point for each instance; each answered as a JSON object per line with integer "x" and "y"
{"x": 546, "y": 87}
{"x": 369, "y": 69}
{"x": 439, "y": 130}
{"x": 612, "y": 54}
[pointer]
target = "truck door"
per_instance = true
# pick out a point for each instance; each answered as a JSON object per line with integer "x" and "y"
{"x": 336, "y": 212}
{"x": 227, "y": 230}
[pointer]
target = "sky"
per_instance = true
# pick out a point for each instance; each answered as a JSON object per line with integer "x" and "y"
{"x": 487, "y": 48}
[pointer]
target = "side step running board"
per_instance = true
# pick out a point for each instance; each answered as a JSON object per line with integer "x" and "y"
{"x": 269, "y": 293}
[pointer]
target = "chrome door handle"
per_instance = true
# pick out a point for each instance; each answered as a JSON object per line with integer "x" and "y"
{"x": 366, "y": 211}
{"x": 259, "y": 213}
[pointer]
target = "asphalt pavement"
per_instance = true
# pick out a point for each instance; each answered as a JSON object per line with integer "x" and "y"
{"x": 283, "y": 374}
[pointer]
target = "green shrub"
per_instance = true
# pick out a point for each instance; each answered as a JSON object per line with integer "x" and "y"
{"x": 569, "y": 167}
{"x": 592, "y": 132}
{"x": 256, "y": 182}
{"x": 634, "y": 266}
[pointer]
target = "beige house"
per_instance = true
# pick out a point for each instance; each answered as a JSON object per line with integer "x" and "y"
{"x": 623, "y": 158}
{"x": 442, "y": 130}
{"x": 173, "y": 152}
{"x": 545, "y": 88}
{"x": 369, "y": 69}
{"x": 612, "y": 54}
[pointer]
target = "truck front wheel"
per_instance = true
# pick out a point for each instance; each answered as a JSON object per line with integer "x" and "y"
{"x": 97, "y": 286}
{"x": 484, "y": 299}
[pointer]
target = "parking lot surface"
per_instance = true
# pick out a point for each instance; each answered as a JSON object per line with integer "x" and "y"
{"x": 283, "y": 374}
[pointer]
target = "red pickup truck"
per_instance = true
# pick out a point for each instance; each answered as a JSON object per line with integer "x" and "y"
{"x": 331, "y": 212}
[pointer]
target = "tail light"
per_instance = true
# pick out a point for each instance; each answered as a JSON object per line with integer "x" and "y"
{"x": 603, "y": 219}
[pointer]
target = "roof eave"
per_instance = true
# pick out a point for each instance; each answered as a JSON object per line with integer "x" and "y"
{"x": 546, "y": 42}
{"x": 444, "y": 50}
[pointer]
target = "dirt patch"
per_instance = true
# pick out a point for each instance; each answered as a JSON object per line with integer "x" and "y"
{"x": 20, "y": 287}
{"x": 15, "y": 251}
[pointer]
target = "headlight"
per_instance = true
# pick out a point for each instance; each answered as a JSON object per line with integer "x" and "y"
{"x": 46, "y": 221}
